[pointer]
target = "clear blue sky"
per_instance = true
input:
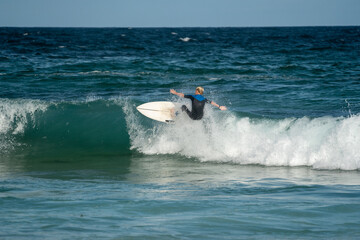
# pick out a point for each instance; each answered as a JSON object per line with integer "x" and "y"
{"x": 178, "y": 13}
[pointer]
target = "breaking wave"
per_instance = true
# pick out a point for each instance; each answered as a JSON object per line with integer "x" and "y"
{"x": 95, "y": 125}
{"x": 320, "y": 143}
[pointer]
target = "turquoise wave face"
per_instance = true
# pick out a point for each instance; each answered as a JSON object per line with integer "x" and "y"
{"x": 53, "y": 128}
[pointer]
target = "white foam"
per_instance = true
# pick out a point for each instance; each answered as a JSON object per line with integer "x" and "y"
{"x": 92, "y": 98}
{"x": 15, "y": 114}
{"x": 321, "y": 143}
{"x": 186, "y": 39}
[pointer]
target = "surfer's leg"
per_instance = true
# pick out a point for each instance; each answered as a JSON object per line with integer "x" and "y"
{"x": 184, "y": 108}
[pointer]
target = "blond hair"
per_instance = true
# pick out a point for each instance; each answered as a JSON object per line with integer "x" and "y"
{"x": 200, "y": 90}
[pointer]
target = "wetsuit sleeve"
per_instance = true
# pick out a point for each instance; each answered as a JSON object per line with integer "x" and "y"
{"x": 189, "y": 96}
{"x": 207, "y": 101}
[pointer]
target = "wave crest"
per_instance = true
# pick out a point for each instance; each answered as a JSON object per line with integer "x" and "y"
{"x": 16, "y": 114}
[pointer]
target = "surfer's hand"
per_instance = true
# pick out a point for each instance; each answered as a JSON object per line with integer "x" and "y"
{"x": 172, "y": 91}
{"x": 222, "y": 108}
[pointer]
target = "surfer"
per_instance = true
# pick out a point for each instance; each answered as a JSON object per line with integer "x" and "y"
{"x": 198, "y": 103}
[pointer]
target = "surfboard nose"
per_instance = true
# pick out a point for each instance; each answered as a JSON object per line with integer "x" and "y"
{"x": 159, "y": 111}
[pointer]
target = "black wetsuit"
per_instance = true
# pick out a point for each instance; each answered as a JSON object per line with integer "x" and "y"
{"x": 197, "y": 108}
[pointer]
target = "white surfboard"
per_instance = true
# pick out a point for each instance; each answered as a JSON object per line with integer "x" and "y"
{"x": 159, "y": 111}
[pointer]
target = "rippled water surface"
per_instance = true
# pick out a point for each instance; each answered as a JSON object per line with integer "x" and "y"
{"x": 79, "y": 162}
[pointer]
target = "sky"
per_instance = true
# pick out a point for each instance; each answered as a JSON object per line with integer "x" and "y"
{"x": 178, "y": 13}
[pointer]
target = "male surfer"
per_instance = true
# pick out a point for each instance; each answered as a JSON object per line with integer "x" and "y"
{"x": 198, "y": 103}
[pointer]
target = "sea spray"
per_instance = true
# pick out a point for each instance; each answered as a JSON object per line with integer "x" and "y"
{"x": 15, "y": 116}
{"x": 322, "y": 143}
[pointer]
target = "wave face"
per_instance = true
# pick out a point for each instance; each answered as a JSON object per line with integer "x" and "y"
{"x": 50, "y": 128}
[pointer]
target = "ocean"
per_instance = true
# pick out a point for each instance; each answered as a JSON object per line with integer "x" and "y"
{"x": 78, "y": 161}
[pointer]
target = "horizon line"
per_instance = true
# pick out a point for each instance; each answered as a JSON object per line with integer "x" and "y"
{"x": 137, "y": 27}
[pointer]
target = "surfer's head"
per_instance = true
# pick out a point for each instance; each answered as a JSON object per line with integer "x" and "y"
{"x": 199, "y": 90}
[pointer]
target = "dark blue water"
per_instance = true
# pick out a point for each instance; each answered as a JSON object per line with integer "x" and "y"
{"x": 78, "y": 161}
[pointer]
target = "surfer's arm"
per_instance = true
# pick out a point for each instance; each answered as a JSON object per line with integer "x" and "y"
{"x": 176, "y": 93}
{"x": 222, "y": 108}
